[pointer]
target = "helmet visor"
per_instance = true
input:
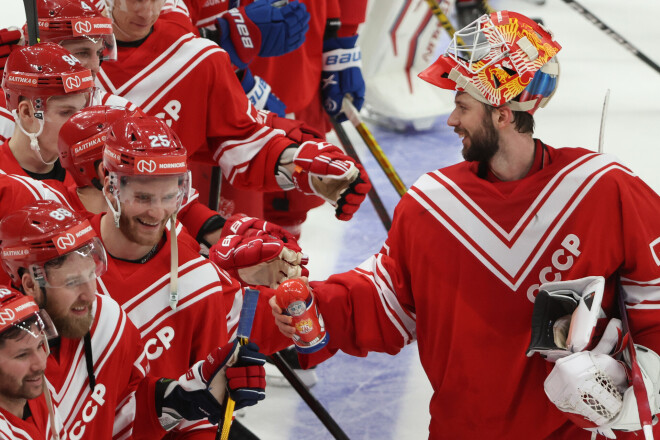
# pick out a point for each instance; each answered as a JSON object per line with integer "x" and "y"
{"x": 79, "y": 266}
{"x": 91, "y": 50}
{"x": 167, "y": 192}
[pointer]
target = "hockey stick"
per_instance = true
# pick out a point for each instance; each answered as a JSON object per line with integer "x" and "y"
{"x": 612, "y": 33}
{"x": 373, "y": 195}
{"x": 245, "y": 321}
{"x": 309, "y": 399}
{"x": 32, "y": 21}
{"x": 354, "y": 116}
{"x": 444, "y": 21}
{"x": 601, "y": 136}
{"x": 645, "y": 416}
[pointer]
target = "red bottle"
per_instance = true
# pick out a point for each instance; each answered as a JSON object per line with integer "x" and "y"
{"x": 296, "y": 301}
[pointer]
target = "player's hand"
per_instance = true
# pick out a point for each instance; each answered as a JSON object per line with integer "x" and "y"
{"x": 260, "y": 260}
{"x": 342, "y": 75}
{"x": 263, "y": 29}
{"x": 199, "y": 393}
{"x": 324, "y": 170}
{"x": 241, "y": 224}
{"x": 9, "y": 39}
{"x": 260, "y": 94}
{"x": 283, "y": 322}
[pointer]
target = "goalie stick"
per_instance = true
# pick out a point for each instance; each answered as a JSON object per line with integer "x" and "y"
{"x": 612, "y": 33}
{"x": 434, "y": 5}
{"x": 32, "y": 21}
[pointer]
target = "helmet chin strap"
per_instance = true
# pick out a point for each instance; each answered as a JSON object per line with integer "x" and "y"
{"x": 116, "y": 213}
{"x": 34, "y": 142}
{"x": 174, "y": 264}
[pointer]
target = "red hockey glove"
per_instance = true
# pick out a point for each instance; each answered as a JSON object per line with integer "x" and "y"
{"x": 9, "y": 39}
{"x": 260, "y": 260}
{"x": 294, "y": 129}
{"x": 199, "y": 393}
{"x": 324, "y": 170}
{"x": 240, "y": 224}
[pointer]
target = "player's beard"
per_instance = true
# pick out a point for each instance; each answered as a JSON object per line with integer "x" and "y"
{"x": 130, "y": 228}
{"x": 73, "y": 327}
{"x": 484, "y": 142}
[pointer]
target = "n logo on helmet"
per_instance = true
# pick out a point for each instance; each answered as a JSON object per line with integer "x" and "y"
{"x": 146, "y": 166}
{"x": 72, "y": 82}
{"x": 65, "y": 241}
{"x": 83, "y": 27}
{"x": 7, "y": 315}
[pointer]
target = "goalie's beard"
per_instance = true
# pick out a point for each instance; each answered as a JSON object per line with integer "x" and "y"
{"x": 484, "y": 143}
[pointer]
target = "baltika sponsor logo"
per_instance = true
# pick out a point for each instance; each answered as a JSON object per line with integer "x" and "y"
{"x": 65, "y": 241}
{"x": 82, "y": 27}
{"x": 15, "y": 253}
{"x": 94, "y": 142}
{"x": 146, "y": 166}
{"x": 7, "y": 315}
{"x": 22, "y": 80}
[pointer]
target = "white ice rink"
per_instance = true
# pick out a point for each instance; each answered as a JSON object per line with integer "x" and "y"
{"x": 383, "y": 397}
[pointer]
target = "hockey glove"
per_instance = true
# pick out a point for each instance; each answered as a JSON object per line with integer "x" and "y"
{"x": 9, "y": 39}
{"x": 593, "y": 389}
{"x": 261, "y": 260}
{"x": 324, "y": 170}
{"x": 259, "y": 93}
{"x": 262, "y": 29}
{"x": 342, "y": 75}
{"x": 199, "y": 393}
{"x": 240, "y": 224}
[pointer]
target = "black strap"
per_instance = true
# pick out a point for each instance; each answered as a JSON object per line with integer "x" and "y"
{"x": 89, "y": 360}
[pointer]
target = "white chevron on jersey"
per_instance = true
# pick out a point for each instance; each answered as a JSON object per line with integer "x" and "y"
{"x": 148, "y": 308}
{"x": 511, "y": 255}
{"x": 106, "y": 334}
{"x": 166, "y": 71}
{"x": 404, "y": 321}
{"x": 40, "y": 190}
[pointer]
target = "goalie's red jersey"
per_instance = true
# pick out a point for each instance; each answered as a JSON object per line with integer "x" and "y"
{"x": 461, "y": 267}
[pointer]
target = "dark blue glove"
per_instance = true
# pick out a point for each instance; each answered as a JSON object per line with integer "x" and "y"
{"x": 262, "y": 29}
{"x": 342, "y": 75}
{"x": 260, "y": 94}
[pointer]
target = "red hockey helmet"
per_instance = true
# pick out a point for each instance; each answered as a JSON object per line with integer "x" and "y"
{"x": 20, "y": 311}
{"x": 42, "y": 231}
{"x": 61, "y": 20}
{"x": 41, "y": 71}
{"x": 508, "y": 61}
{"x": 82, "y": 138}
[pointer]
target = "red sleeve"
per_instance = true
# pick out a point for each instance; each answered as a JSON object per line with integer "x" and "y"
{"x": 352, "y": 15}
{"x": 246, "y": 150}
{"x": 640, "y": 273}
{"x": 194, "y": 214}
{"x": 146, "y": 426}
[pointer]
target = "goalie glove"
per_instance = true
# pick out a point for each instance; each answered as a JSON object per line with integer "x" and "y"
{"x": 9, "y": 39}
{"x": 263, "y": 29}
{"x": 199, "y": 393}
{"x": 324, "y": 170}
{"x": 260, "y": 94}
{"x": 593, "y": 389}
{"x": 341, "y": 75}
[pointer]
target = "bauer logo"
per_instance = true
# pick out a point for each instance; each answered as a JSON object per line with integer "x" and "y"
{"x": 82, "y": 27}
{"x": 65, "y": 241}
{"x": 146, "y": 166}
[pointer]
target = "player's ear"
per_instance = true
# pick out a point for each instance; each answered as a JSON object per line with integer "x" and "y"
{"x": 503, "y": 116}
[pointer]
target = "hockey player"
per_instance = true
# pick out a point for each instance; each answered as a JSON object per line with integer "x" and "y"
{"x": 182, "y": 304}
{"x": 24, "y": 411}
{"x": 97, "y": 369}
{"x": 257, "y": 253}
{"x": 470, "y": 245}
{"x": 43, "y": 86}
{"x": 189, "y": 82}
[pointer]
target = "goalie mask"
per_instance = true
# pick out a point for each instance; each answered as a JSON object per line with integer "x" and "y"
{"x": 66, "y": 20}
{"x": 509, "y": 60}
{"x": 40, "y": 236}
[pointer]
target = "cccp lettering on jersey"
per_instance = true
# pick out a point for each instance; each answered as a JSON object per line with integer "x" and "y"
{"x": 154, "y": 347}
{"x": 89, "y": 411}
{"x": 562, "y": 259}
{"x": 172, "y": 110}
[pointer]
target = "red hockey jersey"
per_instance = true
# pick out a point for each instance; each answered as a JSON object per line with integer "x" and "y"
{"x": 119, "y": 367}
{"x": 460, "y": 270}
{"x": 9, "y": 165}
{"x": 36, "y": 427}
{"x": 190, "y": 83}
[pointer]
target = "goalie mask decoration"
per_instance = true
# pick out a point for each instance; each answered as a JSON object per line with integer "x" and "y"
{"x": 501, "y": 58}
